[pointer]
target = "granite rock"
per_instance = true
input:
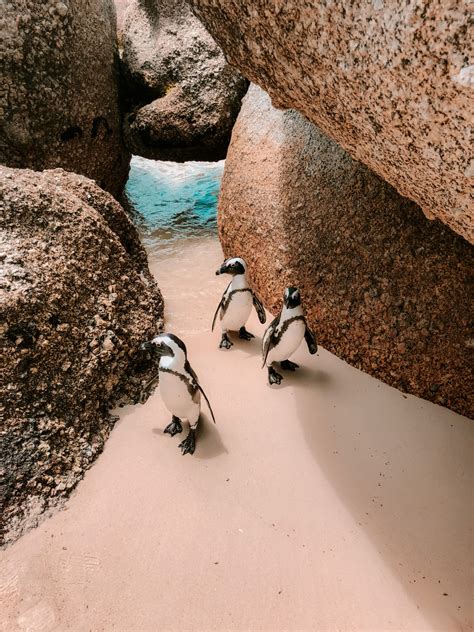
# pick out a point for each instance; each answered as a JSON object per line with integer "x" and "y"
{"x": 59, "y": 100}
{"x": 391, "y": 83}
{"x": 384, "y": 288}
{"x": 78, "y": 299}
{"x": 182, "y": 97}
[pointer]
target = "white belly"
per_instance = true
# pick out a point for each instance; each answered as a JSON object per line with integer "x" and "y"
{"x": 289, "y": 343}
{"x": 237, "y": 312}
{"x": 176, "y": 397}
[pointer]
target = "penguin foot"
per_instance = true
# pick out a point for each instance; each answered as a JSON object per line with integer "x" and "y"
{"x": 189, "y": 444}
{"x": 288, "y": 365}
{"x": 226, "y": 342}
{"x": 273, "y": 376}
{"x": 244, "y": 334}
{"x": 174, "y": 427}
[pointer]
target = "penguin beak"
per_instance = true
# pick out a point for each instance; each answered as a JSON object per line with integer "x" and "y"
{"x": 222, "y": 270}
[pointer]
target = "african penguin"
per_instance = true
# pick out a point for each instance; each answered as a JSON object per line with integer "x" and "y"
{"x": 236, "y": 303}
{"x": 284, "y": 335}
{"x": 179, "y": 387}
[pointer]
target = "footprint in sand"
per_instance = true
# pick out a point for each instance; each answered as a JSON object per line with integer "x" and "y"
{"x": 76, "y": 569}
{"x": 39, "y": 618}
{"x": 8, "y": 586}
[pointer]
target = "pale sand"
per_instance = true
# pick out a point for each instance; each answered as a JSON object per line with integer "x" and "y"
{"x": 331, "y": 503}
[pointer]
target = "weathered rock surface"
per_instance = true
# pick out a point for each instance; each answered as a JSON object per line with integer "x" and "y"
{"x": 392, "y": 84}
{"x": 121, "y": 7}
{"x": 183, "y": 97}
{"x": 78, "y": 300}
{"x": 59, "y": 99}
{"x": 384, "y": 288}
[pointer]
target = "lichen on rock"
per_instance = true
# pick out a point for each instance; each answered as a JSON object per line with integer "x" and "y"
{"x": 78, "y": 299}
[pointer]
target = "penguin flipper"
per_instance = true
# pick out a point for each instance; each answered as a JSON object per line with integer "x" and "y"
{"x": 146, "y": 390}
{"x": 207, "y": 401}
{"x": 221, "y": 304}
{"x": 270, "y": 339}
{"x": 215, "y": 315}
{"x": 262, "y": 317}
{"x": 310, "y": 340}
{"x": 192, "y": 373}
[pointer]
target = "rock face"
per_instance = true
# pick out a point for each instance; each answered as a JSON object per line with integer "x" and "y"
{"x": 78, "y": 301}
{"x": 183, "y": 97}
{"x": 121, "y": 7}
{"x": 384, "y": 288}
{"x": 391, "y": 84}
{"x": 59, "y": 101}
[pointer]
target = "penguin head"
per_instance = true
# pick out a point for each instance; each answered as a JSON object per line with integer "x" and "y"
{"x": 164, "y": 345}
{"x": 291, "y": 297}
{"x": 234, "y": 266}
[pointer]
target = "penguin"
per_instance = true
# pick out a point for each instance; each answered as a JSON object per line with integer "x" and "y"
{"x": 236, "y": 303}
{"x": 179, "y": 387}
{"x": 284, "y": 335}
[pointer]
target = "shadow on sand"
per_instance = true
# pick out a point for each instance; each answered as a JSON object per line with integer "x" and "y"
{"x": 402, "y": 466}
{"x": 311, "y": 378}
{"x": 208, "y": 443}
{"x": 251, "y": 348}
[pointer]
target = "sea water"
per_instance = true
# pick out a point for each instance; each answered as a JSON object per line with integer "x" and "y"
{"x": 172, "y": 201}
{"x": 174, "y": 207}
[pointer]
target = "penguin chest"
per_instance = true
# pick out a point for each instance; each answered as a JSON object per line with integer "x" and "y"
{"x": 177, "y": 396}
{"x": 238, "y": 310}
{"x": 289, "y": 341}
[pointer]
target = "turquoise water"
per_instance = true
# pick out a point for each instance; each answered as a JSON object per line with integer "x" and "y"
{"x": 173, "y": 200}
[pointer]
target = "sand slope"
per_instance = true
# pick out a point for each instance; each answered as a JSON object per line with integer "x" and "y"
{"x": 331, "y": 503}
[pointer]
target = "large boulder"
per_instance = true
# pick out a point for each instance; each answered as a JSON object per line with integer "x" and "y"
{"x": 59, "y": 101}
{"x": 78, "y": 299}
{"x": 383, "y": 287}
{"x": 182, "y": 96}
{"x": 389, "y": 81}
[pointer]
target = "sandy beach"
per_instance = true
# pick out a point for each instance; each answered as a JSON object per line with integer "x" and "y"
{"x": 333, "y": 502}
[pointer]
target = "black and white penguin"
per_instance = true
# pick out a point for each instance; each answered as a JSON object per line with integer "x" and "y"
{"x": 284, "y": 335}
{"x": 236, "y": 302}
{"x": 179, "y": 387}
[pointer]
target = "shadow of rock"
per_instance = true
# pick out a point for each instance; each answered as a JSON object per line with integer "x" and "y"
{"x": 403, "y": 468}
